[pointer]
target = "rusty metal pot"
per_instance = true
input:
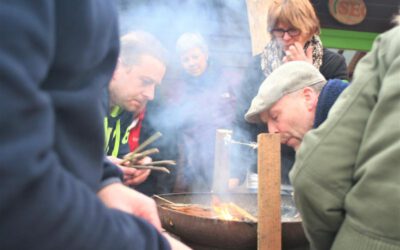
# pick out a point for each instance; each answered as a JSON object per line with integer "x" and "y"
{"x": 221, "y": 234}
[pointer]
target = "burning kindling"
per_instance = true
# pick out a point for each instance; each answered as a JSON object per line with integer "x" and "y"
{"x": 218, "y": 210}
{"x": 230, "y": 211}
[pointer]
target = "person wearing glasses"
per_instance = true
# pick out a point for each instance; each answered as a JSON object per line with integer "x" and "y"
{"x": 294, "y": 28}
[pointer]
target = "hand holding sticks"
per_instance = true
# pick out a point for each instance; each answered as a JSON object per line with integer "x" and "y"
{"x": 152, "y": 165}
{"x": 133, "y": 157}
{"x": 162, "y": 169}
{"x": 136, "y": 155}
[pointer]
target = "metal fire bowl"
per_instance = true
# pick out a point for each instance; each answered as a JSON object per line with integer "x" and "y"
{"x": 222, "y": 234}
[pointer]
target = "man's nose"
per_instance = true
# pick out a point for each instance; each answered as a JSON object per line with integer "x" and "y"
{"x": 272, "y": 128}
{"x": 148, "y": 92}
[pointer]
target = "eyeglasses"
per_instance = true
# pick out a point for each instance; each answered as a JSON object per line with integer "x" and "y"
{"x": 281, "y": 32}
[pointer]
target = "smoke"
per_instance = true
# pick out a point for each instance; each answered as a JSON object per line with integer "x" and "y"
{"x": 224, "y": 25}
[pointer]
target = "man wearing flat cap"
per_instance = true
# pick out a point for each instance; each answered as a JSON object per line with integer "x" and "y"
{"x": 294, "y": 99}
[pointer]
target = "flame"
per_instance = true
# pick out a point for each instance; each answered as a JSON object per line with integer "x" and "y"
{"x": 222, "y": 212}
{"x": 230, "y": 211}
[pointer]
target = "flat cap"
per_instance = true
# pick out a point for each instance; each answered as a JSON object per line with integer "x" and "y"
{"x": 287, "y": 78}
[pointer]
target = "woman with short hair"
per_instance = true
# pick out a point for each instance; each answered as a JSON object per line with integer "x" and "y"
{"x": 294, "y": 28}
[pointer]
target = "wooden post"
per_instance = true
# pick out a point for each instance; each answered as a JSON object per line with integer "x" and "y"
{"x": 221, "y": 161}
{"x": 269, "y": 192}
{"x": 257, "y": 14}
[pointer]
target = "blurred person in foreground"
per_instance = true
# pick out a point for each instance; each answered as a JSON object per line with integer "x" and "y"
{"x": 203, "y": 103}
{"x": 131, "y": 110}
{"x": 294, "y": 99}
{"x": 294, "y": 29}
{"x": 57, "y": 190}
{"x": 346, "y": 175}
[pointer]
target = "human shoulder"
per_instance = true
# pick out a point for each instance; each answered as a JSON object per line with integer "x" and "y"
{"x": 392, "y": 34}
{"x": 389, "y": 44}
{"x": 333, "y": 65}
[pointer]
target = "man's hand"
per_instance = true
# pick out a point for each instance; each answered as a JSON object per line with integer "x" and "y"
{"x": 120, "y": 197}
{"x": 296, "y": 53}
{"x": 132, "y": 176}
{"x": 135, "y": 177}
{"x": 130, "y": 201}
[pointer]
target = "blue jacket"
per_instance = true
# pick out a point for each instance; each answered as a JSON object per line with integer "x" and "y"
{"x": 55, "y": 58}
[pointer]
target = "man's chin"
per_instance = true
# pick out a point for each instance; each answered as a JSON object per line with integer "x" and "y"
{"x": 293, "y": 143}
{"x": 133, "y": 108}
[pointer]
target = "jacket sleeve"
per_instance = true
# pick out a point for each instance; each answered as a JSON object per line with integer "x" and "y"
{"x": 43, "y": 206}
{"x": 111, "y": 174}
{"x": 323, "y": 172}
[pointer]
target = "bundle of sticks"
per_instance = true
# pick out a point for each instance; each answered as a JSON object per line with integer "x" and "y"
{"x": 139, "y": 153}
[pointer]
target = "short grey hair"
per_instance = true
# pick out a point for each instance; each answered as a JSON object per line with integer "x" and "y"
{"x": 136, "y": 44}
{"x": 189, "y": 41}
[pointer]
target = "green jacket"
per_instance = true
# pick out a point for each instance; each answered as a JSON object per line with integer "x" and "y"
{"x": 347, "y": 172}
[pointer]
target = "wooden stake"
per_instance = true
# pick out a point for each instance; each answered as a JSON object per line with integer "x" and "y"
{"x": 269, "y": 195}
{"x": 257, "y": 15}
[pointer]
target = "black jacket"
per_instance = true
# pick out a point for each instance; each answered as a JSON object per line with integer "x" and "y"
{"x": 243, "y": 158}
{"x": 55, "y": 58}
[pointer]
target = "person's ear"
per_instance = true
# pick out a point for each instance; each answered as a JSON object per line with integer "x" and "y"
{"x": 310, "y": 98}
